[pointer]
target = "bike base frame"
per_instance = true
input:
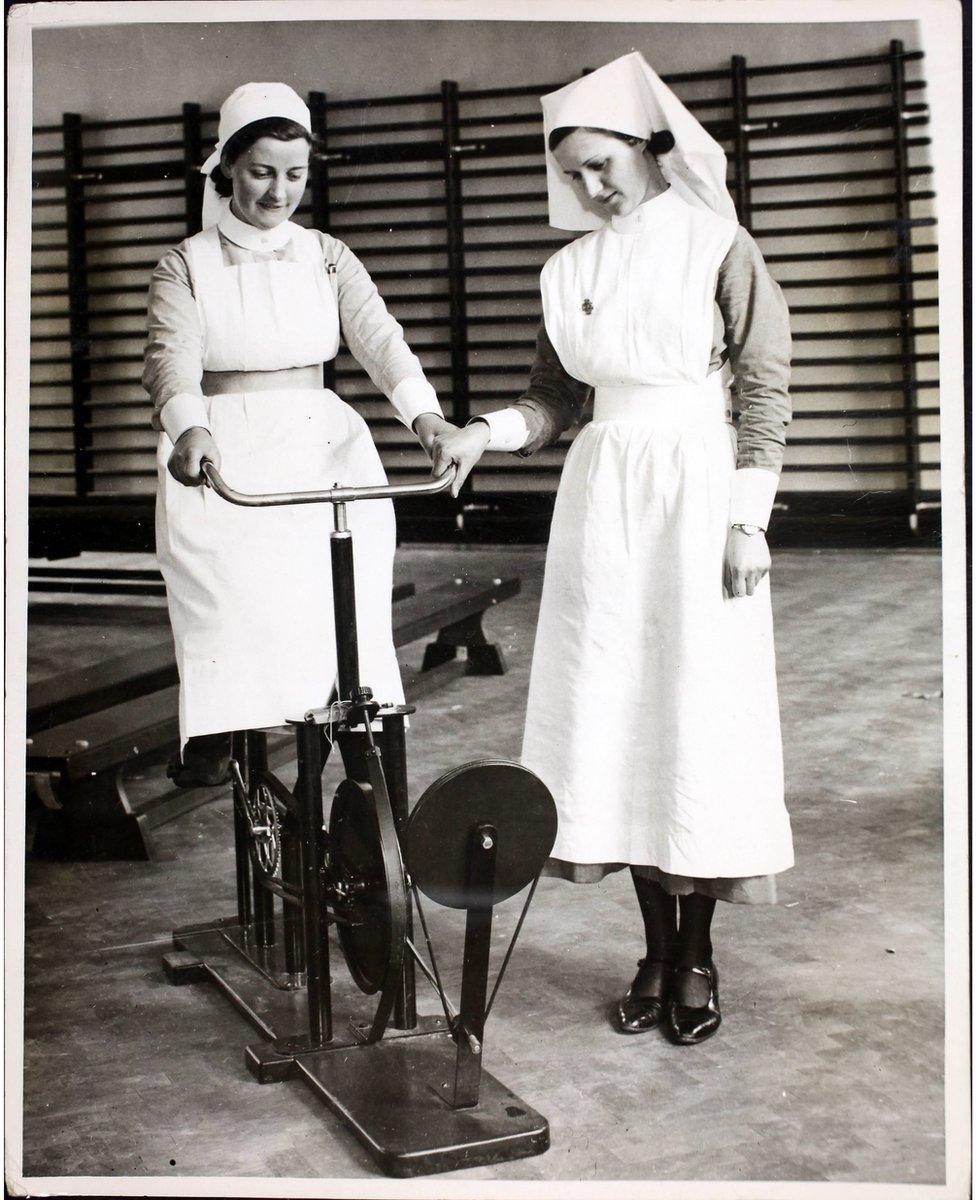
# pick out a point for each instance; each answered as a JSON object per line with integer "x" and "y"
{"x": 390, "y": 1095}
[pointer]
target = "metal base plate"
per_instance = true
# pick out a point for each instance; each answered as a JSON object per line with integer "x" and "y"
{"x": 389, "y": 1094}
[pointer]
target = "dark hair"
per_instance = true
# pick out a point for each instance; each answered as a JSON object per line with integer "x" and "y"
{"x": 658, "y": 143}
{"x": 280, "y": 128}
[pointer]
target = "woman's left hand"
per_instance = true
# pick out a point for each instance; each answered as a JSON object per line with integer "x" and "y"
{"x": 448, "y": 446}
{"x": 747, "y": 560}
{"x": 428, "y": 427}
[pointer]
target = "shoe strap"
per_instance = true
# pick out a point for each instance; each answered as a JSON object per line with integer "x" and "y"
{"x": 708, "y": 972}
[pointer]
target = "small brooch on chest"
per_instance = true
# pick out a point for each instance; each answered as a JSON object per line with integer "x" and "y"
{"x": 587, "y": 306}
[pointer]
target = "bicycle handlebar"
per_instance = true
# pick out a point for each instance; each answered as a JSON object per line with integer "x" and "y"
{"x": 336, "y": 495}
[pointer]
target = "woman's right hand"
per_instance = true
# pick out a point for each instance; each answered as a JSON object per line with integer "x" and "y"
{"x": 463, "y": 447}
{"x": 185, "y": 463}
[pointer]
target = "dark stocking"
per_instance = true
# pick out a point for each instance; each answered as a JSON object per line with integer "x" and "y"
{"x": 694, "y": 947}
{"x": 659, "y": 911}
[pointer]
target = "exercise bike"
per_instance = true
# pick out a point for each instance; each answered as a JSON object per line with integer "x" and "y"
{"x": 411, "y": 1088}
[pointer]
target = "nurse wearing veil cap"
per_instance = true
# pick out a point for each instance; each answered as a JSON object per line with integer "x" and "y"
{"x": 241, "y": 318}
{"x": 652, "y": 711}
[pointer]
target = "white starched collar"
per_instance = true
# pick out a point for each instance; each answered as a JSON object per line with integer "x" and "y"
{"x": 649, "y": 215}
{"x": 250, "y": 237}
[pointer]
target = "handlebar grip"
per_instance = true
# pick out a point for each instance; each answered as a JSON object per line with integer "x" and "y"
{"x": 336, "y": 495}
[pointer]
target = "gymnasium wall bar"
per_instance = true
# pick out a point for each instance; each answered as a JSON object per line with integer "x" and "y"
{"x": 443, "y": 197}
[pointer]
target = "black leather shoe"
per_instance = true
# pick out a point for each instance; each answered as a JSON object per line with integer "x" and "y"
{"x": 688, "y": 1025}
{"x": 643, "y": 1006}
{"x": 205, "y": 762}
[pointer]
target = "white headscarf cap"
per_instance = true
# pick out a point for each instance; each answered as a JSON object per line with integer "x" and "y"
{"x": 250, "y": 102}
{"x": 626, "y": 96}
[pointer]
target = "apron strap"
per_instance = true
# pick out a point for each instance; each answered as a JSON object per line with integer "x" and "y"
{"x": 206, "y": 259}
{"x": 309, "y": 246}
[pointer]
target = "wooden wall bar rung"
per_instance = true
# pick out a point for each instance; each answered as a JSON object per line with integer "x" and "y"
{"x": 865, "y": 360}
{"x": 852, "y": 201}
{"x": 856, "y": 280}
{"x": 858, "y": 385}
{"x": 133, "y": 197}
{"x": 858, "y": 334}
{"x": 382, "y": 101}
{"x": 809, "y": 151}
{"x": 832, "y": 64}
{"x": 847, "y": 228}
{"x": 369, "y": 205}
{"x": 802, "y": 256}
{"x": 131, "y": 123}
{"x": 397, "y": 177}
{"x": 831, "y": 177}
{"x": 126, "y": 289}
{"x": 132, "y": 148}
{"x": 864, "y": 89}
{"x": 358, "y": 131}
{"x": 871, "y": 306}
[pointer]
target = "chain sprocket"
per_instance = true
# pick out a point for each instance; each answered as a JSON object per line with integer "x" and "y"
{"x": 260, "y": 812}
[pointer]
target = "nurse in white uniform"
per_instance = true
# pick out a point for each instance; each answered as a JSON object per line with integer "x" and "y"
{"x": 241, "y": 318}
{"x": 652, "y": 711}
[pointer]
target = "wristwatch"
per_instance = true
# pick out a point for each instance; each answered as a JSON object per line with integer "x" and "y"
{"x": 749, "y": 530}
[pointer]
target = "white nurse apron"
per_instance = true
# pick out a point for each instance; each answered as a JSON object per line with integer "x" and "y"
{"x": 250, "y": 589}
{"x": 652, "y": 711}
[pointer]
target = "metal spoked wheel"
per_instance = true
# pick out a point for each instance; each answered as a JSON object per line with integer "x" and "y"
{"x": 367, "y": 892}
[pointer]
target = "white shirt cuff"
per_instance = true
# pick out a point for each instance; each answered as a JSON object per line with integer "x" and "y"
{"x": 413, "y": 396}
{"x": 753, "y": 492}
{"x": 182, "y": 412}
{"x": 508, "y": 429}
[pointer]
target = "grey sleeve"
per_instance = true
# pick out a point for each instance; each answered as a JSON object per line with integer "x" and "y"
{"x": 553, "y": 401}
{"x": 173, "y": 364}
{"x": 374, "y": 337}
{"x": 757, "y": 334}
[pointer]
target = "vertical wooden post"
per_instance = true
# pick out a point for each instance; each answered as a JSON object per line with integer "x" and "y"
{"x": 740, "y": 113}
{"x": 80, "y": 348}
{"x": 319, "y": 184}
{"x": 320, "y": 168}
{"x": 455, "y": 253}
{"x": 192, "y": 159}
{"x": 903, "y": 254}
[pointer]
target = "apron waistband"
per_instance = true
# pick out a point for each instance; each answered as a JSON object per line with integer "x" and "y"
{"x": 684, "y": 404}
{"x": 222, "y": 383}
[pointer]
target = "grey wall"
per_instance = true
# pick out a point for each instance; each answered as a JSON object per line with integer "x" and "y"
{"x": 149, "y": 70}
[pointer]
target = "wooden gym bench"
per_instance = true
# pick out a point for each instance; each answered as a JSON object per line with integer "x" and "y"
{"x": 86, "y": 727}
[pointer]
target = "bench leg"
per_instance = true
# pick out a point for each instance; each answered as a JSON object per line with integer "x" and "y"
{"x": 90, "y": 819}
{"x": 484, "y": 657}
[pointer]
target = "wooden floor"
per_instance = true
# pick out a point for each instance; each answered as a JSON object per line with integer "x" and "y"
{"x": 829, "y": 1064}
